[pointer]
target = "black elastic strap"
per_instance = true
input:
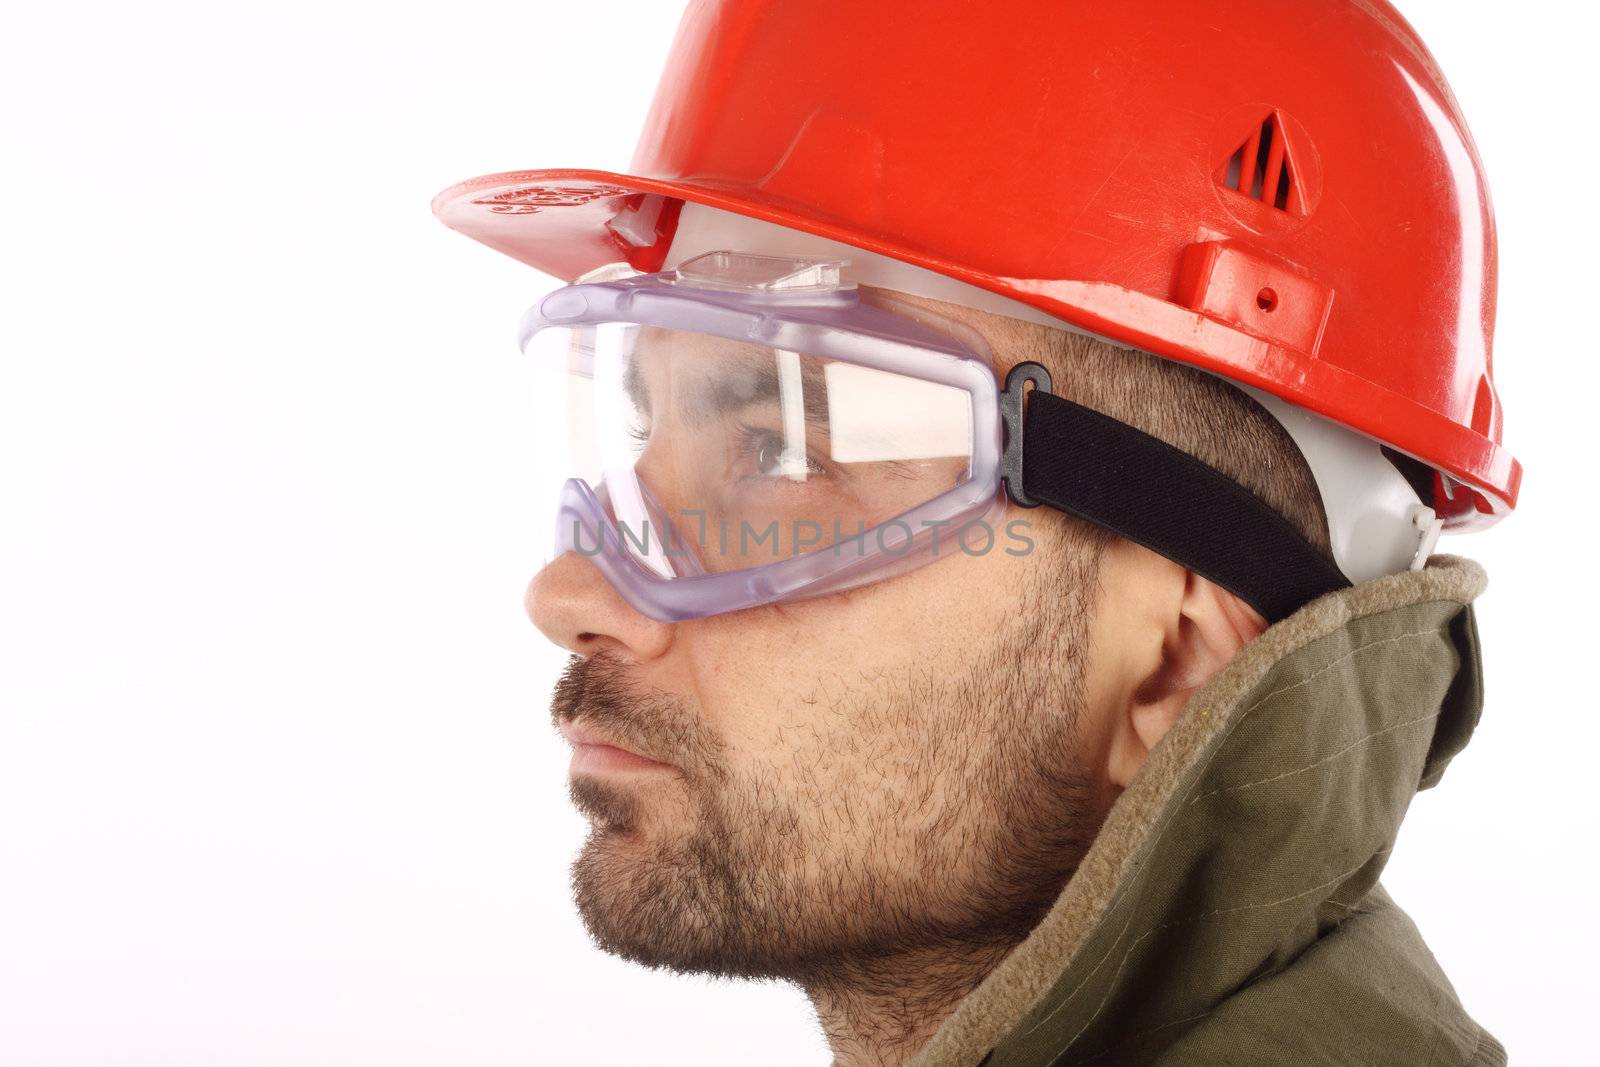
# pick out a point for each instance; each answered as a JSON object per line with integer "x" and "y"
{"x": 1087, "y": 464}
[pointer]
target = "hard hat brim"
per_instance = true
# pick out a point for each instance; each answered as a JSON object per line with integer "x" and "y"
{"x": 565, "y": 222}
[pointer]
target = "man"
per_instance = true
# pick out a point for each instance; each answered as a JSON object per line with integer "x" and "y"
{"x": 1109, "y": 781}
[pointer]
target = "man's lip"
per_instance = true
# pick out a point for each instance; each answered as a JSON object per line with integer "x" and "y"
{"x": 582, "y": 736}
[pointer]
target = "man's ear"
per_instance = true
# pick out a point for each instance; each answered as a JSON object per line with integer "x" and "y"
{"x": 1184, "y": 630}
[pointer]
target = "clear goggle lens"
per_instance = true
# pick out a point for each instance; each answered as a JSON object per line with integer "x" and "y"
{"x": 711, "y": 455}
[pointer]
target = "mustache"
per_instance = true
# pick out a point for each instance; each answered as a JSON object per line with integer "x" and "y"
{"x": 653, "y": 723}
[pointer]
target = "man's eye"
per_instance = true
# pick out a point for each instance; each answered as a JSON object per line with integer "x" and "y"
{"x": 764, "y": 451}
{"x": 769, "y": 456}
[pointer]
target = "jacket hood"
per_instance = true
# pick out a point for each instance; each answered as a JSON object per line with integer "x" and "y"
{"x": 1229, "y": 911}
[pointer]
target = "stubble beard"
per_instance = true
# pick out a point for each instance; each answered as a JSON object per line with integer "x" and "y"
{"x": 827, "y": 875}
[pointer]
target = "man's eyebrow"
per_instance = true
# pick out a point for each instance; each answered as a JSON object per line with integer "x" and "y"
{"x": 762, "y": 380}
{"x": 743, "y": 380}
{"x": 633, "y": 385}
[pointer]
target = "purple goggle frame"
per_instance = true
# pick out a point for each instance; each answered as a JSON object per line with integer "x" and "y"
{"x": 833, "y": 324}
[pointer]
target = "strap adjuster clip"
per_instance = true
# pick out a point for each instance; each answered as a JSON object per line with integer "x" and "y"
{"x": 1428, "y": 526}
{"x": 1012, "y": 402}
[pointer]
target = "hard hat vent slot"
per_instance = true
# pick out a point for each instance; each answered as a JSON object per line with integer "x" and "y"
{"x": 1262, "y": 168}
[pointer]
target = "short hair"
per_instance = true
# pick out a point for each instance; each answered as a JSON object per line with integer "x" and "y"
{"x": 1199, "y": 413}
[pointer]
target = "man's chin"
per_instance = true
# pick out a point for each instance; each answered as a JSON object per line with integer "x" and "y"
{"x": 665, "y": 896}
{"x": 634, "y": 903}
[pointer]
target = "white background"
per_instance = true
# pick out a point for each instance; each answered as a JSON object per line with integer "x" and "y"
{"x": 277, "y": 782}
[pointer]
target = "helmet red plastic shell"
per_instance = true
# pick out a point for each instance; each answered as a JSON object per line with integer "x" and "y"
{"x": 1284, "y": 194}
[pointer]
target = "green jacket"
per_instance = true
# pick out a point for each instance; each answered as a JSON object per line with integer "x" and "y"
{"x": 1229, "y": 911}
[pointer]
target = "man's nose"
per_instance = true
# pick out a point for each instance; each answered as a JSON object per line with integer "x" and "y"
{"x": 573, "y": 605}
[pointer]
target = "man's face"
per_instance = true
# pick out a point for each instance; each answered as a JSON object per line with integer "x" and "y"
{"x": 899, "y": 767}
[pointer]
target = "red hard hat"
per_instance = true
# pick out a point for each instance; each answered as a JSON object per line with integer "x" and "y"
{"x": 1284, "y": 194}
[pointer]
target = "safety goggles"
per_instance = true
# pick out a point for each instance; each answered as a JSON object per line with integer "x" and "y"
{"x": 746, "y": 429}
